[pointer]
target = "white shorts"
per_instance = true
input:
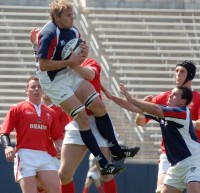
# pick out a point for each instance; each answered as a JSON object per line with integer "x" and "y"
{"x": 183, "y": 172}
{"x": 72, "y": 134}
{"x": 28, "y": 162}
{"x": 62, "y": 87}
{"x": 93, "y": 174}
{"x": 57, "y": 163}
{"x": 163, "y": 164}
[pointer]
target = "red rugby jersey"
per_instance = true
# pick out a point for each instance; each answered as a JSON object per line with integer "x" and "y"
{"x": 34, "y": 125}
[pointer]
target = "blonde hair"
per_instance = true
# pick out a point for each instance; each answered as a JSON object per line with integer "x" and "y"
{"x": 58, "y": 6}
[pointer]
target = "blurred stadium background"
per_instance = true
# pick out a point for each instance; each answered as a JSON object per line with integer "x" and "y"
{"x": 137, "y": 42}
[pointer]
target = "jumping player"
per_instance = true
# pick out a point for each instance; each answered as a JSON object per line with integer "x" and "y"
{"x": 89, "y": 70}
{"x": 68, "y": 89}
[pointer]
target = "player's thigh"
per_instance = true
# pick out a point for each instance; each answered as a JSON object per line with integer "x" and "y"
{"x": 28, "y": 184}
{"x": 193, "y": 187}
{"x": 169, "y": 189}
{"x": 84, "y": 90}
{"x": 45, "y": 177}
{"x": 70, "y": 103}
{"x": 71, "y": 156}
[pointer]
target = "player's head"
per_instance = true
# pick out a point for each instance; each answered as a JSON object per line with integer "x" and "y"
{"x": 185, "y": 71}
{"x": 180, "y": 96}
{"x": 61, "y": 13}
{"x": 33, "y": 89}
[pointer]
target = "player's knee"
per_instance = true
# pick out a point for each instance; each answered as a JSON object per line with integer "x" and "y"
{"x": 94, "y": 103}
{"x": 91, "y": 99}
{"x": 66, "y": 174}
{"x": 76, "y": 111}
{"x": 82, "y": 120}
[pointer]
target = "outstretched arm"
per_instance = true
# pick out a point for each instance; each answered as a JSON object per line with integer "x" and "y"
{"x": 121, "y": 102}
{"x": 150, "y": 108}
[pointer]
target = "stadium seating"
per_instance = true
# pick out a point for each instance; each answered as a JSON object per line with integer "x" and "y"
{"x": 142, "y": 47}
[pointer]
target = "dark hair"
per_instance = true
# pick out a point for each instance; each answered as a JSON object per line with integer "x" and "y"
{"x": 186, "y": 94}
{"x": 191, "y": 69}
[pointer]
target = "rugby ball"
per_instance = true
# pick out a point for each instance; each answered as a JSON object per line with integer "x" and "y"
{"x": 72, "y": 44}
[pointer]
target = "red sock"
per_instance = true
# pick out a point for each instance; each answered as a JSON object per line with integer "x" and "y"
{"x": 110, "y": 186}
{"x": 68, "y": 188}
{"x": 86, "y": 190}
{"x": 100, "y": 189}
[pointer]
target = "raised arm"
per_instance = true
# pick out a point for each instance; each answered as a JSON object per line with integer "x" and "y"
{"x": 121, "y": 102}
{"x": 150, "y": 108}
{"x": 33, "y": 38}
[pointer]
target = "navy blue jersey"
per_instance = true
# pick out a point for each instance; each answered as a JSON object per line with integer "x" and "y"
{"x": 178, "y": 133}
{"x": 51, "y": 41}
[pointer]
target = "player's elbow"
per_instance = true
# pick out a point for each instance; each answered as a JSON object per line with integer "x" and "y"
{"x": 42, "y": 69}
{"x": 42, "y": 65}
{"x": 90, "y": 77}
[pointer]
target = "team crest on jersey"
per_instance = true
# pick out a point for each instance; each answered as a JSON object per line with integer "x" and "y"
{"x": 62, "y": 42}
{"x": 39, "y": 121}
